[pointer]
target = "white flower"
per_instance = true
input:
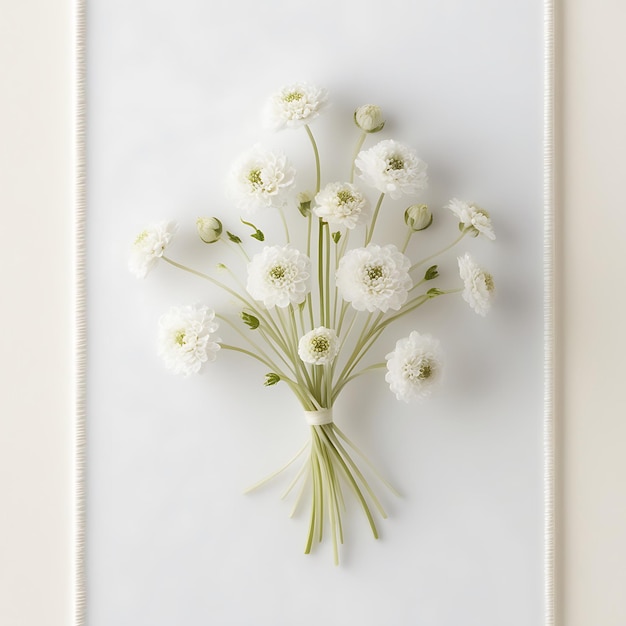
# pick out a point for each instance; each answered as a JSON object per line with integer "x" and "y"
{"x": 185, "y": 338}
{"x": 261, "y": 179}
{"x": 148, "y": 246}
{"x": 341, "y": 205}
{"x": 369, "y": 118}
{"x": 374, "y": 278}
{"x": 392, "y": 168}
{"x": 479, "y": 285}
{"x": 414, "y": 368}
{"x": 279, "y": 276}
{"x": 294, "y": 105}
{"x": 472, "y": 217}
{"x": 319, "y": 346}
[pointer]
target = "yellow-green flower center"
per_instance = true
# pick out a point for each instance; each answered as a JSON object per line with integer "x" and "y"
{"x": 292, "y": 96}
{"x": 418, "y": 369}
{"x": 141, "y": 236}
{"x": 320, "y": 345}
{"x": 255, "y": 177}
{"x": 277, "y": 272}
{"x": 374, "y": 272}
{"x": 395, "y": 163}
{"x": 180, "y": 338}
{"x": 344, "y": 196}
{"x": 489, "y": 282}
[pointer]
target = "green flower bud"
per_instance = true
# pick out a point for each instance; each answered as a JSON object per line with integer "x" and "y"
{"x": 418, "y": 217}
{"x": 369, "y": 118}
{"x": 304, "y": 206}
{"x": 271, "y": 379}
{"x": 209, "y": 229}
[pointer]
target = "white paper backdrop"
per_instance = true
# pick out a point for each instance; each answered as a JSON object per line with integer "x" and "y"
{"x": 174, "y": 94}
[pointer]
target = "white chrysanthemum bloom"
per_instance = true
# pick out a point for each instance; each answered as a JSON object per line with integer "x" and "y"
{"x": 148, "y": 246}
{"x": 294, "y": 106}
{"x": 473, "y": 217}
{"x": 374, "y": 278}
{"x": 392, "y": 168}
{"x": 341, "y": 205}
{"x": 479, "y": 285}
{"x": 414, "y": 368}
{"x": 279, "y": 276}
{"x": 186, "y": 338}
{"x": 259, "y": 179}
{"x": 319, "y": 346}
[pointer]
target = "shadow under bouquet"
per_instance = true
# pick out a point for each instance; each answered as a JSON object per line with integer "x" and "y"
{"x": 311, "y": 309}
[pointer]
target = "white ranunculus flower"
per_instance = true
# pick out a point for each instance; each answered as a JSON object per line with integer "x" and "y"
{"x": 374, "y": 278}
{"x": 294, "y": 106}
{"x": 319, "y": 346}
{"x": 414, "y": 368}
{"x": 473, "y": 217}
{"x": 148, "y": 246}
{"x": 479, "y": 285}
{"x": 186, "y": 338}
{"x": 279, "y": 276}
{"x": 261, "y": 179}
{"x": 341, "y": 205}
{"x": 392, "y": 168}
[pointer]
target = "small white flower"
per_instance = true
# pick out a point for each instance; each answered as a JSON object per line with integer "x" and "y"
{"x": 414, "y": 368}
{"x": 261, "y": 179}
{"x": 148, "y": 246}
{"x": 279, "y": 276}
{"x": 392, "y": 168}
{"x": 186, "y": 338}
{"x": 374, "y": 278}
{"x": 319, "y": 346}
{"x": 294, "y": 106}
{"x": 479, "y": 285}
{"x": 418, "y": 217}
{"x": 472, "y": 217}
{"x": 341, "y": 205}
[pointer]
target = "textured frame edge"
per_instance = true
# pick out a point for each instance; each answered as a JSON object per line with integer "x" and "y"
{"x": 80, "y": 328}
{"x": 549, "y": 480}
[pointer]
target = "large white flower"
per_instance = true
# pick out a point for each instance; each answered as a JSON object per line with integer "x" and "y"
{"x": 479, "y": 285}
{"x": 472, "y": 217}
{"x": 392, "y": 168}
{"x": 414, "y": 368}
{"x": 186, "y": 338}
{"x": 261, "y": 179}
{"x": 279, "y": 276}
{"x": 148, "y": 246}
{"x": 319, "y": 346}
{"x": 294, "y": 105}
{"x": 374, "y": 278}
{"x": 341, "y": 205}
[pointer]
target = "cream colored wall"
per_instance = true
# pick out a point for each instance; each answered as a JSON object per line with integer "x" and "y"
{"x": 36, "y": 277}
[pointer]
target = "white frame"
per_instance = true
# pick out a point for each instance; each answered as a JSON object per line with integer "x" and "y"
{"x": 80, "y": 460}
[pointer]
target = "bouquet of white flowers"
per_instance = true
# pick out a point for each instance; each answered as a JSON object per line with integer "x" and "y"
{"x": 310, "y": 313}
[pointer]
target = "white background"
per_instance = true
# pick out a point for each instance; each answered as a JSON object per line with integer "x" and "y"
{"x": 174, "y": 95}
{"x": 37, "y": 535}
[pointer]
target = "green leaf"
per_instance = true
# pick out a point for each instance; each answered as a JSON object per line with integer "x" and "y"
{"x": 431, "y": 273}
{"x": 258, "y": 235}
{"x": 434, "y": 292}
{"x": 271, "y": 379}
{"x": 336, "y": 236}
{"x": 250, "y": 320}
{"x": 232, "y": 237}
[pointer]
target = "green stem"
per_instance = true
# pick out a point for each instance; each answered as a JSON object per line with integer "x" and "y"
{"x": 284, "y": 220}
{"x": 432, "y": 256}
{"x": 409, "y": 234}
{"x": 357, "y": 149}
{"x": 370, "y": 231}
{"x": 278, "y": 471}
{"x": 317, "y": 159}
